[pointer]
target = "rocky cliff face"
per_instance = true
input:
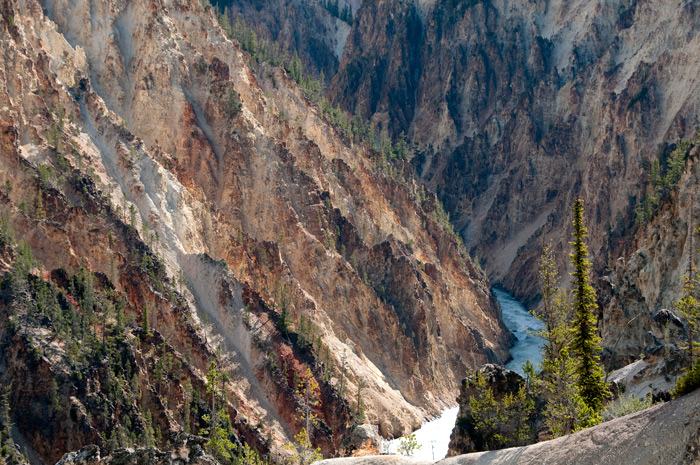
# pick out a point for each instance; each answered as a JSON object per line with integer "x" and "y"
{"x": 517, "y": 108}
{"x": 314, "y": 30}
{"x": 637, "y": 296}
{"x": 145, "y": 164}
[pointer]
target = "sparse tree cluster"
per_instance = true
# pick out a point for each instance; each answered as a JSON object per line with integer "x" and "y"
{"x": 8, "y": 452}
{"x": 499, "y": 421}
{"x": 308, "y": 400}
{"x": 661, "y": 177}
{"x": 689, "y": 307}
{"x": 572, "y": 380}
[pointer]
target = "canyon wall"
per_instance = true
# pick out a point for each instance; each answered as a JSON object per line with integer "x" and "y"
{"x": 638, "y": 294}
{"x": 517, "y": 108}
{"x": 218, "y": 216}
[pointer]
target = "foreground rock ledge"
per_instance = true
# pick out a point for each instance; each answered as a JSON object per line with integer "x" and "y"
{"x": 666, "y": 434}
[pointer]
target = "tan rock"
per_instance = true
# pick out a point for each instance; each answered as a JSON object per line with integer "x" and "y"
{"x": 667, "y": 433}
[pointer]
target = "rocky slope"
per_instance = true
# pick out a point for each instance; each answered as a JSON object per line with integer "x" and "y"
{"x": 637, "y": 296}
{"x": 154, "y": 178}
{"x": 668, "y": 433}
{"x": 518, "y": 107}
{"x": 316, "y": 33}
{"x": 186, "y": 450}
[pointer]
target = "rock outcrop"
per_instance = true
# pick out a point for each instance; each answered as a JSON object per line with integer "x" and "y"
{"x": 185, "y": 450}
{"x": 501, "y": 382}
{"x": 364, "y": 440}
{"x": 667, "y": 433}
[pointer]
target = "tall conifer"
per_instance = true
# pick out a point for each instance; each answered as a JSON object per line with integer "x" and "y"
{"x": 585, "y": 342}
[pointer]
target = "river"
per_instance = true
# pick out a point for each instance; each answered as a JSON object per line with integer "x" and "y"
{"x": 434, "y": 436}
{"x": 521, "y": 323}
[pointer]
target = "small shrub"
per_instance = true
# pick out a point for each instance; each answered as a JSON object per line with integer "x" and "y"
{"x": 689, "y": 382}
{"x": 408, "y": 445}
{"x": 626, "y": 405}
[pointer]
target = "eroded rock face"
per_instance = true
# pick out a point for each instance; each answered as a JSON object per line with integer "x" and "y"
{"x": 186, "y": 450}
{"x": 317, "y": 34}
{"x": 638, "y": 316}
{"x": 520, "y": 107}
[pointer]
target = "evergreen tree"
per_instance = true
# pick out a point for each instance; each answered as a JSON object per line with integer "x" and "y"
{"x": 145, "y": 324}
{"x": 9, "y": 454}
{"x": 308, "y": 395}
{"x": 676, "y": 162}
{"x": 5, "y": 421}
{"x": 557, "y": 383}
{"x": 585, "y": 343}
{"x": 218, "y": 433}
{"x": 689, "y": 306}
{"x": 565, "y": 411}
{"x": 502, "y": 421}
{"x": 690, "y": 309}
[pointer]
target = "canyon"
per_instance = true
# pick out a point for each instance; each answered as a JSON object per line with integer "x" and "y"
{"x": 216, "y": 215}
{"x": 512, "y": 110}
{"x": 174, "y": 202}
{"x": 517, "y": 108}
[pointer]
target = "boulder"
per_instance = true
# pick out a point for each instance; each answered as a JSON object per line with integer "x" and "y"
{"x": 364, "y": 440}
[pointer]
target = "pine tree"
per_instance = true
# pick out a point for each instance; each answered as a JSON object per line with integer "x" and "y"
{"x": 499, "y": 422}
{"x": 676, "y": 162}
{"x": 220, "y": 446}
{"x": 585, "y": 343}
{"x": 9, "y": 454}
{"x": 145, "y": 324}
{"x": 5, "y": 421}
{"x": 308, "y": 398}
{"x": 565, "y": 411}
{"x": 556, "y": 383}
{"x": 552, "y": 318}
{"x": 690, "y": 309}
